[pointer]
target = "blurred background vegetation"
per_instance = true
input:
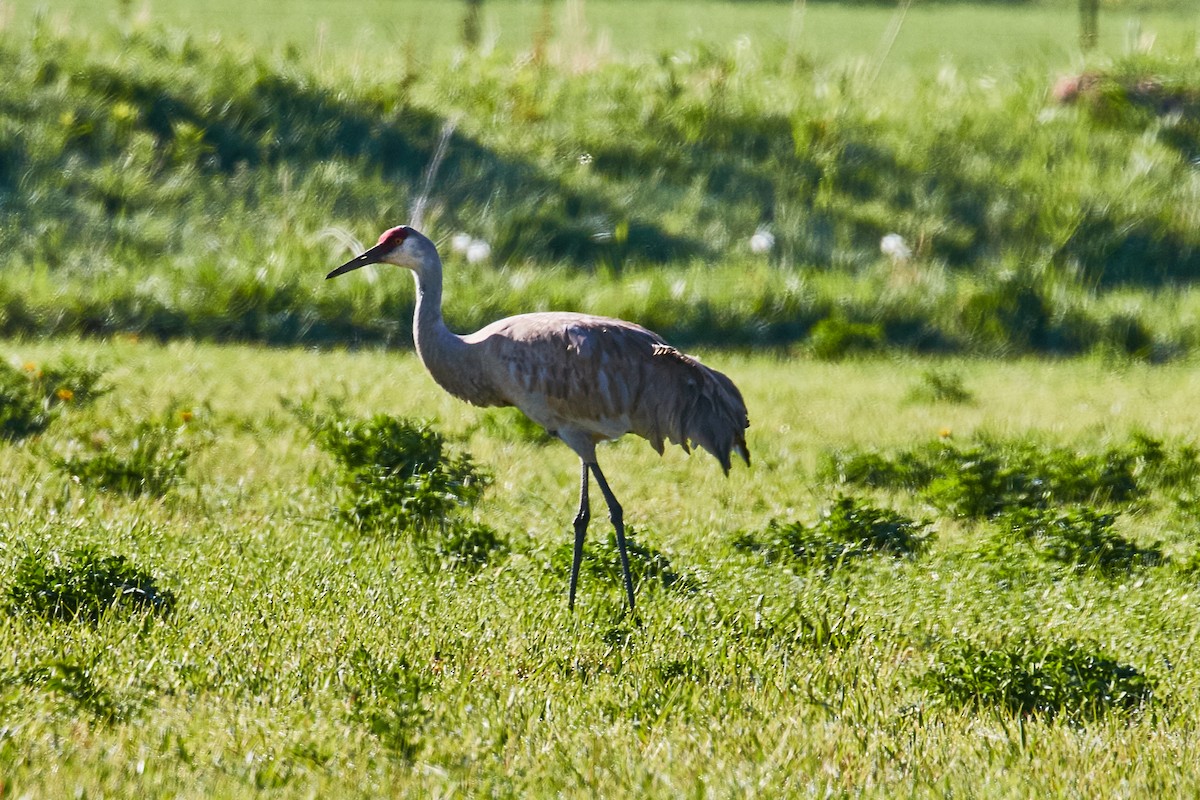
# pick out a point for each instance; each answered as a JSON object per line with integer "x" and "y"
{"x": 724, "y": 172}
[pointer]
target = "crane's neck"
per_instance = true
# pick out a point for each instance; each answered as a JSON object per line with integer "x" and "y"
{"x": 429, "y": 329}
{"x": 450, "y": 360}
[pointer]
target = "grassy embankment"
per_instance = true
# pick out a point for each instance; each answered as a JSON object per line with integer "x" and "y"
{"x": 161, "y": 184}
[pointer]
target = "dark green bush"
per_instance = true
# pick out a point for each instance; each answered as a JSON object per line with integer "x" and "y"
{"x": 1012, "y": 315}
{"x": 849, "y": 529}
{"x": 31, "y": 397}
{"x": 69, "y": 383}
{"x": 468, "y": 546}
{"x": 984, "y": 480}
{"x": 836, "y": 337}
{"x": 380, "y": 499}
{"x": 1031, "y": 678}
{"x": 907, "y": 470}
{"x": 83, "y": 585}
{"x": 987, "y": 477}
{"x": 1081, "y": 538}
{"x": 22, "y": 412}
{"x": 1167, "y": 467}
{"x": 394, "y": 473}
{"x": 150, "y": 459}
{"x": 387, "y": 700}
{"x": 647, "y": 565}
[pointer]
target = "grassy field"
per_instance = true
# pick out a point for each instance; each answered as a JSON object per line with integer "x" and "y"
{"x": 247, "y": 546}
{"x": 377, "y": 37}
{"x": 307, "y": 657}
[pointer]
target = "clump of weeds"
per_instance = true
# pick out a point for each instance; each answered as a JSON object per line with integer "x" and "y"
{"x": 398, "y": 475}
{"x": 849, "y": 529}
{"x": 988, "y": 477}
{"x": 82, "y": 585}
{"x": 150, "y": 458}
{"x": 1081, "y": 538}
{"x": 1031, "y": 678}
{"x": 32, "y": 396}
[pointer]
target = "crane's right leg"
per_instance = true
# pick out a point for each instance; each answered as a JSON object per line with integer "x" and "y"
{"x": 581, "y": 523}
{"x": 617, "y": 516}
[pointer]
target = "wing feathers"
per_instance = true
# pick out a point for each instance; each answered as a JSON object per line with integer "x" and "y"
{"x": 606, "y": 377}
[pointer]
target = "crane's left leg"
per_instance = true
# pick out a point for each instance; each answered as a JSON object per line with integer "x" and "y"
{"x": 581, "y": 523}
{"x": 617, "y": 516}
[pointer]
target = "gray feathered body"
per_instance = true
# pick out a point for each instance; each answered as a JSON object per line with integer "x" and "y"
{"x": 587, "y": 379}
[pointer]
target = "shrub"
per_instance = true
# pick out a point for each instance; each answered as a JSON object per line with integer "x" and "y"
{"x": 1012, "y": 315}
{"x": 22, "y": 413}
{"x": 83, "y": 586}
{"x": 836, "y": 337}
{"x": 988, "y": 477}
{"x": 387, "y": 699}
{"x": 468, "y": 546}
{"x": 908, "y": 470}
{"x": 1169, "y": 468}
{"x": 69, "y": 383}
{"x": 148, "y": 460}
{"x": 30, "y": 397}
{"x": 1081, "y": 538}
{"x": 847, "y": 530}
{"x": 647, "y": 565}
{"x": 1038, "y": 679}
{"x": 394, "y": 473}
{"x": 980, "y": 483}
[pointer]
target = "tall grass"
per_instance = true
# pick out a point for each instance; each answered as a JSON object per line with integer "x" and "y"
{"x": 156, "y": 184}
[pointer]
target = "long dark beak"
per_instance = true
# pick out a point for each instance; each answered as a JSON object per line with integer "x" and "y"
{"x": 372, "y": 256}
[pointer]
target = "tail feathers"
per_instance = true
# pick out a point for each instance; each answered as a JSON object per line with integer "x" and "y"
{"x": 702, "y": 406}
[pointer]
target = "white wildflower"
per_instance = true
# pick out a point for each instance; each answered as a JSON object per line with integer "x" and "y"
{"x": 894, "y": 247}
{"x": 478, "y": 251}
{"x": 762, "y": 242}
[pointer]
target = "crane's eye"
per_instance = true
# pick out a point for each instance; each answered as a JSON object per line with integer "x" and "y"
{"x": 393, "y": 236}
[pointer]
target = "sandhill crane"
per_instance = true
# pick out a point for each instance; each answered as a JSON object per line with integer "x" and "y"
{"x": 584, "y": 378}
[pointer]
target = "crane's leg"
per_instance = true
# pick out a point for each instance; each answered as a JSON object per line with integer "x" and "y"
{"x": 581, "y": 523}
{"x": 617, "y": 517}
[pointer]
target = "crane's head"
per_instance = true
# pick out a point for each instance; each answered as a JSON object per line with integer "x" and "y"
{"x": 401, "y": 246}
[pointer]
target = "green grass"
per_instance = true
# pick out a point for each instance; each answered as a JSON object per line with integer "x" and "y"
{"x": 382, "y": 36}
{"x": 304, "y": 657}
{"x": 160, "y": 184}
